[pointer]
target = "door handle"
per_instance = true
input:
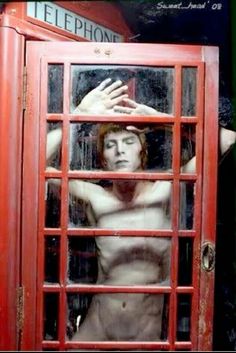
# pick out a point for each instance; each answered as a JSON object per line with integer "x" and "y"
{"x": 208, "y": 256}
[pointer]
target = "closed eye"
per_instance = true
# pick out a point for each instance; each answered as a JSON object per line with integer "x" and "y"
{"x": 109, "y": 144}
{"x": 129, "y": 140}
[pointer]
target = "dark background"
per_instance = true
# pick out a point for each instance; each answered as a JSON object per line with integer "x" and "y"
{"x": 151, "y": 22}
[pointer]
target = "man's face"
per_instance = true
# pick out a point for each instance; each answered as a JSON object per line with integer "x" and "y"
{"x": 122, "y": 151}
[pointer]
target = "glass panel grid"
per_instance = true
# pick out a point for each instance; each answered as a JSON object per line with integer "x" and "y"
{"x": 64, "y": 186}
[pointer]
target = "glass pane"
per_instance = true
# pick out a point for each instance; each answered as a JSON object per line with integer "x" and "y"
{"x": 188, "y": 146}
{"x": 189, "y": 87}
{"x": 186, "y": 207}
{"x": 51, "y": 310}
{"x": 82, "y": 260}
{"x": 185, "y": 261}
{"x": 120, "y": 147}
{"x": 119, "y": 260}
{"x": 53, "y": 203}
{"x": 51, "y": 266}
{"x": 53, "y": 155}
{"x": 55, "y": 88}
{"x": 118, "y": 317}
{"x": 184, "y": 315}
{"x": 152, "y": 86}
{"x": 114, "y": 204}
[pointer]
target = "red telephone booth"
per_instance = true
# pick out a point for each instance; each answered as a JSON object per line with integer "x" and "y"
{"x": 48, "y": 270}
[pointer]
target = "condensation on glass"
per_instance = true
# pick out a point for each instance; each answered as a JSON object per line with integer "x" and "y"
{"x": 188, "y": 144}
{"x": 186, "y": 209}
{"x": 185, "y": 261}
{"x": 152, "y": 86}
{"x": 87, "y": 144}
{"x": 189, "y": 91}
{"x": 106, "y": 212}
{"x": 120, "y": 318}
{"x": 51, "y": 314}
{"x": 119, "y": 260}
{"x": 82, "y": 260}
{"x": 55, "y": 160}
{"x": 55, "y": 88}
{"x": 52, "y": 203}
{"x": 184, "y": 303}
{"x": 51, "y": 259}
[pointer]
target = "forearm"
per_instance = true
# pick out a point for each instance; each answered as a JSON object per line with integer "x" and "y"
{"x": 54, "y": 138}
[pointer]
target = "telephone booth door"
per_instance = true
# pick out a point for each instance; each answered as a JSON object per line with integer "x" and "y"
{"x": 118, "y": 255}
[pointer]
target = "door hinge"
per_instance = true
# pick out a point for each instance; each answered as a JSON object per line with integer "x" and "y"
{"x": 24, "y": 87}
{"x": 19, "y": 311}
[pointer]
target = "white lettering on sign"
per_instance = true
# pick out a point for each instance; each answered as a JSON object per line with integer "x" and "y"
{"x": 56, "y": 16}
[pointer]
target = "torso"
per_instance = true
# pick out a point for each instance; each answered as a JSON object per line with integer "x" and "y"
{"x": 130, "y": 260}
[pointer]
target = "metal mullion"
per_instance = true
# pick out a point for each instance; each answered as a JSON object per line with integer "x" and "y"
{"x": 184, "y": 345}
{"x": 116, "y": 175}
{"x": 199, "y": 147}
{"x": 64, "y": 207}
{"x": 93, "y": 232}
{"x": 99, "y": 288}
{"x": 62, "y": 317}
{"x": 55, "y": 117}
{"x": 41, "y": 200}
{"x": 123, "y": 118}
{"x": 51, "y": 288}
{"x": 197, "y": 204}
{"x": 175, "y": 204}
{"x": 185, "y": 289}
{"x": 118, "y": 345}
{"x": 187, "y": 233}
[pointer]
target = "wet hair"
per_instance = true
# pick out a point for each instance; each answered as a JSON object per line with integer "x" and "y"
{"x": 105, "y": 129}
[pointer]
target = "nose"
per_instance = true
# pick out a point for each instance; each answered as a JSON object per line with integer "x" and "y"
{"x": 119, "y": 148}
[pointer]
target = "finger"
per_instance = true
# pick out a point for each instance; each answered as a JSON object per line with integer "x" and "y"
{"x": 131, "y": 102}
{"x": 120, "y": 109}
{"x": 118, "y": 92}
{"x": 113, "y": 86}
{"x": 103, "y": 84}
{"x": 135, "y": 129}
{"x": 117, "y": 100}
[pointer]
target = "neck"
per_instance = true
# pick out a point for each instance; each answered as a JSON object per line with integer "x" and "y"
{"x": 126, "y": 190}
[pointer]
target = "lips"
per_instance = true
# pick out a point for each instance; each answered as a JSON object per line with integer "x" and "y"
{"x": 121, "y": 163}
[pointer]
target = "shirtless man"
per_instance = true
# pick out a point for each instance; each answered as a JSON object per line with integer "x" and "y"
{"x": 127, "y": 204}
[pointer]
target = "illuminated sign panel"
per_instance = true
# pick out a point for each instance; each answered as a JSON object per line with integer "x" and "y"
{"x": 66, "y": 20}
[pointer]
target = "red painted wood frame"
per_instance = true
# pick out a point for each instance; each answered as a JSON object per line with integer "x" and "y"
{"x": 205, "y": 59}
{"x": 101, "y": 12}
{"x": 11, "y": 124}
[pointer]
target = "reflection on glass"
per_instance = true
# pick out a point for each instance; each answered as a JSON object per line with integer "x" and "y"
{"x": 119, "y": 317}
{"x": 55, "y": 88}
{"x": 55, "y": 158}
{"x": 185, "y": 262}
{"x": 188, "y": 144}
{"x": 90, "y": 149}
{"x": 51, "y": 266}
{"x": 51, "y": 310}
{"x": 82, "y": 260}
{"x": 152, "y": 86}
{"x": 189, "y": 86}
{"x": 53, "y": 204}
{"x": 184, "y": 315}
{"x": 186, "y": 209}
{"x": 100, "y": 204}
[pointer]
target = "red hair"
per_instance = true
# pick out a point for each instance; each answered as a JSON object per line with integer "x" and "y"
{"x": 106, "y": 128}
